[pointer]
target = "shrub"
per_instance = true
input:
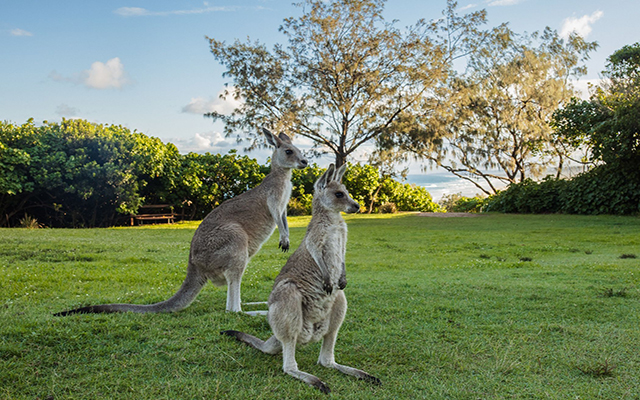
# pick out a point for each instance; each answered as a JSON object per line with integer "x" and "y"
{"x": 29, "y": 223}
{"x": 366, "y": 186}
{"x": 449, "y": 201}
{"x": 602, "y": 190}
{"x": 407, "y": 197}
{"x": 468, "y": 204}
{"x": 300, "y": 205}
{"x": 388, "y": 208}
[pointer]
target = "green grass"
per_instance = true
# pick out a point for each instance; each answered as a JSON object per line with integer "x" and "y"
{"x": 499, "y": 306}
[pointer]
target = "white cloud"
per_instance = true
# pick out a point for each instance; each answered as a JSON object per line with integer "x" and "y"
{"x": 491, "y": 3}
{"x": 581, "y": 26}
{"x": 212, "y": 142}
{"x": 106, "y": 75}
{"x": 20, "y": 32}
{"x": 109, "y": 75}
{"x": 143, "y": 12}
{"x": 200, "y": 105}
{"x": 131, "y": 11}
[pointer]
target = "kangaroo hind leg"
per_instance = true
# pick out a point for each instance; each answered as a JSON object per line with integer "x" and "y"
{"x": 327, "y": 358}
{"x": 235, "y": 264}
{"x": 290, "y": 367}
{"x": 234, "y": 281}
{"x": 269, "y": 346}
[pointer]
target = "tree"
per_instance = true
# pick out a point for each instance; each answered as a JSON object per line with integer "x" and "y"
{"x": 608, "y": 124}
{"x": 345, "y": 77}
{"x": 495, "y": 114}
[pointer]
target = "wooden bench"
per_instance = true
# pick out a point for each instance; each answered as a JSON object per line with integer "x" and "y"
{"x": 155, "y": 212}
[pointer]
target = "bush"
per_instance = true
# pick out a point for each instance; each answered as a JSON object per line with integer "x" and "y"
{"x": 408, "y": 197}
{"x": 388, "y": 208}
{"x": 468, "y": 204}
{"x": 529, "y": 197}
{"x": 366, "y": 186}
{"x": 300, "y": 205}
{"x": 602, "y": 190}
{"x": 456, "y": 202}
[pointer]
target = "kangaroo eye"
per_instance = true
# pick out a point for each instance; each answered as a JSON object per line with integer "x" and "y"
{"x": 289, "y": 152}
{"x": 339, "y": 195}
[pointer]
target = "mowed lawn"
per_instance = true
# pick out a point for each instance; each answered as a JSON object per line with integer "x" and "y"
{"x": 489, "y": 307}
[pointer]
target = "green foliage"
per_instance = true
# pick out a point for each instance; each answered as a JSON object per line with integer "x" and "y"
{"x": 602, "y": 190}
{"x": 203, "y": 181}
{"x": 456, "y": 202}
{"x": 609, "y": 126}
{"x": 363, "y": 182}
{"x": 76, "y": 173}
{"x": 469, "y": 204}
{"x": 367, "y": 186}
{"x": 79, "y": 174}
{"x": 529, "y": 196}
{"x": 608, "y": 123}
{"x": 407, "y": 197}
{"x": 302, "y": 181}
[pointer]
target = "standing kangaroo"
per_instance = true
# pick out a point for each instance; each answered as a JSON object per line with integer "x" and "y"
{"x": 230, "y": 235}
{"x": 307, "y": 302}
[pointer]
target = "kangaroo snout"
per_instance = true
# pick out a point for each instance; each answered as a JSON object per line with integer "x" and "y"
{"x": 302, "y": 164}
{"x": 354, "y": 208}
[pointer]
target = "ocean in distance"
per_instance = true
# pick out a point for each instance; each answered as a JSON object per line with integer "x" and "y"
{"x": 441, "y": 183}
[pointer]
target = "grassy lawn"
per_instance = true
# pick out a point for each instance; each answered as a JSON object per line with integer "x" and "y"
{"x": 497, "y": 306}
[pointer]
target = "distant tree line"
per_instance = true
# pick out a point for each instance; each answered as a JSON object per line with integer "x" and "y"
{"x": 80, "y": 174}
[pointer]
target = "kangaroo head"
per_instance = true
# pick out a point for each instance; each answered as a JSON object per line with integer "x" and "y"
{"x": 285, "y": 155}
{"x": 331, "y": 194}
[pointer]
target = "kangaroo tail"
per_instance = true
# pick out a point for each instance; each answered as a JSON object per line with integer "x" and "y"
{"x": 192, "y": 285}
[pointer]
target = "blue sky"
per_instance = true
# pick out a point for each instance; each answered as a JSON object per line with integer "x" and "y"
{"x": 146, "y": 64}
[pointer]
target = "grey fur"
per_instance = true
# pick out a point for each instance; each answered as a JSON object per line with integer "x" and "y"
{"x": 307, "y": 303}
{"x": 230, "y": 235}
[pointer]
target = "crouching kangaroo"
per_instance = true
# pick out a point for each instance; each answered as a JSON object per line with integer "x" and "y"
{"x": 307, "y": 302}
{"x": 230, "y": 235}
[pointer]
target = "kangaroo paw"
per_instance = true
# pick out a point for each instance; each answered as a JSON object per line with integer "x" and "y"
{"x": 284, "y": 245}
{"x": 321, "y": 386}
{"x": 371, "y": 379}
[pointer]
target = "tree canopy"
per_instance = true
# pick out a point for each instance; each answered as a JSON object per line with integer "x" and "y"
{"x": 609, "y": 122}
{"x": 608, "y": 125}
{"x": 491, "y": 121}
{"x": 346, "y": 76}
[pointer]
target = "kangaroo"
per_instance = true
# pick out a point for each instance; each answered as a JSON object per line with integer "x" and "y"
{"x": 230, "y": 235}
{"x": 307, "y": 302}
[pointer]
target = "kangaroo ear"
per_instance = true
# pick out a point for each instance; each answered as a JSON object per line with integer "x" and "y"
{"x": 283, "y": 136}
{"x": 325, "y": 178}
{"x": 271, "y": 138}
{"x": 340, "y": 173}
